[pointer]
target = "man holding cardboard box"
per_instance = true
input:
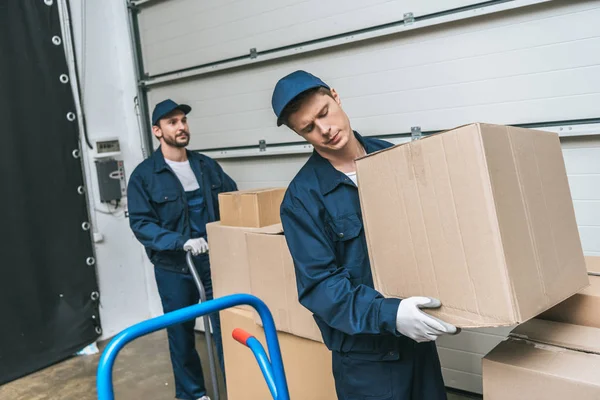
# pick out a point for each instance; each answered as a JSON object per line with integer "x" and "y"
{"x": 380, "y": 346}
{"x": 172, "y": 196}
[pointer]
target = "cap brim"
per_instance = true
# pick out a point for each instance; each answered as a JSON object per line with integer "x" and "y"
{"x": 183, "y": 107}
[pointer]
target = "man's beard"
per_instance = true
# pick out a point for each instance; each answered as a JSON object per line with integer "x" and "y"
{"x": 174, "y": 143}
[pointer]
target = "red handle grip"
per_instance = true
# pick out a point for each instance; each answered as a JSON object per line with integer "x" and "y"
{"x": 241, "y": 336}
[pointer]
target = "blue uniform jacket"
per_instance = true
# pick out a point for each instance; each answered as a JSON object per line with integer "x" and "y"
{"x": 323, "y": 227}
{"x": 158, "y": 209}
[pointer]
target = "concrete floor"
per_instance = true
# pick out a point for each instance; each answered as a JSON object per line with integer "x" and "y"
{"x": 142, "y": 371}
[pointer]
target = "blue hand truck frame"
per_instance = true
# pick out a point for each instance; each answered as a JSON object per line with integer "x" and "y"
{"x": 272, "y": 370}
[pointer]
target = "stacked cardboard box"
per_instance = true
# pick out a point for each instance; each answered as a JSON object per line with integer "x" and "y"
{"x": 273, "y": 280}
{"x": 230, "y": 268}
{"x": 307, "y": 363}
{"x": 544, "y": 360}
{"x": 249, "y": 254}
{"x": 251, "y": 208}
{"x": 554, "y": 356}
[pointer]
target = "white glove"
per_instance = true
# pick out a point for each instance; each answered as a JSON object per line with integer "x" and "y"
{"x": 415, "y": 324}
{"x": 196, "y": 246}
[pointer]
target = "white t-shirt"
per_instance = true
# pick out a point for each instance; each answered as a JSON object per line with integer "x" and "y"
{"x": 184, "y": 172}
{"x": 352, "y": 176}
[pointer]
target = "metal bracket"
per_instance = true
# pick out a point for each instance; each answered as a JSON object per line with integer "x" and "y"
{"x": 415, "y": 133}
{"x": 262, "y": 145}
{"x": 133, "y": 7}
{"x": 253, "y": 53}
{"x": 409, "y": 18}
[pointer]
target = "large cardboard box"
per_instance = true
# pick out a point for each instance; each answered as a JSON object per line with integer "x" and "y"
{"x": 593, "y": 265}
{"x": 480, "y": 217}
{"x": 307, "y": 363}
{"x": 251, "y": 208}
{"x": 229, "y": 259}
{"x": 273, "y": 280}
{"x": 580, "y": 309}
{"x": 547, "y": 360}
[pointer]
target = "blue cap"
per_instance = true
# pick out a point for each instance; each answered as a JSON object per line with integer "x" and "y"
{"x": 165, "y": 107}
{"x": 291, "y": 86}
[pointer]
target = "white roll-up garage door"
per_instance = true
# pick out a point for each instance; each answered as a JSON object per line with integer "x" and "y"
{"x": 528, "y": 65}
{"x": 396, "y": 64}
{"x": 180, "y": 34}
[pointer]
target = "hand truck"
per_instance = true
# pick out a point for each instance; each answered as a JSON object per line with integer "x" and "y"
{"x": 207, "y": 325}
{"x": 272, "y": 370}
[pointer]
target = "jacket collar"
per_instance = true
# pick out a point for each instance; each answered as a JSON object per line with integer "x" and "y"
{"x": 329, "y": 177}
{"x": 159, "y": 160}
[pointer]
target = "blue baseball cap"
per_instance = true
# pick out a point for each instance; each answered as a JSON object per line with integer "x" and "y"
{"x": 291, "y": 86}
{"x": 165, "y": 107}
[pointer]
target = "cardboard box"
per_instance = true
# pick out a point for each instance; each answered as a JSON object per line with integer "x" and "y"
{"x": 593, "y": 265}
{"x": 544, "y": 360}
{"x": 480, "y": 217}
{"x": 580, "y": 309}
{"x": 229, "y": 259}
{"x": 307, "y": 363}
{"x": 273, "y": 280}
{"x": 518, "y": 369}
{"x": 251, "y": 208}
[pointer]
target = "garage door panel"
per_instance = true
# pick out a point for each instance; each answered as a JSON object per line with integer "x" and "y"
{"x": 233, "y": 105}
{"x": 402, "y": 89}
{"x": 462, "y": 380}
{"x": 505, "y": 113}
{"x": 489, "y": 92}
{"x": 587, "y": 212}
{"x": 258, "y": 169}
{"x": 590, "y": 238}
{"x": 501, "y": 331}
{"x": 469, "y": 341}
{"x": 460, "y": 360}
{"x": 515, "y": 68}
{"x": 456, "y": 73}
{"x": 585, "y": 187}
{"x": 235, "y": 123}
{"x": 485, "y": 55}
{"x": 582, "y": 161}
{"x": 181, "y": 33}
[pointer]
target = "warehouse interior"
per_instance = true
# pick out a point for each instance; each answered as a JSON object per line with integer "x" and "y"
{"x": 83, "y": 77}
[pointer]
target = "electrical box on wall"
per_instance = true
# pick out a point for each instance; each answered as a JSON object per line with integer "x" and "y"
{"x": 111, "y": 180}
{"x": 111, "y": 175}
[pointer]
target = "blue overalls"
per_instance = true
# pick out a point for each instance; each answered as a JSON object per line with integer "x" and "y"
{"x": 163, "y": 217}
{"x": 323, "y": 227}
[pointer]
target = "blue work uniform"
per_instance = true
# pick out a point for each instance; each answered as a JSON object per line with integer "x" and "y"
{"x": 323, "y": 227}
{"x": 163, "y": 217}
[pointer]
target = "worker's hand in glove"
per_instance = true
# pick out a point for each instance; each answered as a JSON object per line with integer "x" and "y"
{"x": 415, "y": 324}
{"x": 196, "y": 246}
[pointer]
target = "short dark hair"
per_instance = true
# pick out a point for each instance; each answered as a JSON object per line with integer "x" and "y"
{"x": 295, "y": 104}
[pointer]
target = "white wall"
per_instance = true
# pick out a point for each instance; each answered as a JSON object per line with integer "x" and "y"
{"x": 582, "y": 159}
{"x": 127, "y": 288}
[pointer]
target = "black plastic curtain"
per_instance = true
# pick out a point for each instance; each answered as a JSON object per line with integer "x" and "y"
{"x": 48, "y": 289}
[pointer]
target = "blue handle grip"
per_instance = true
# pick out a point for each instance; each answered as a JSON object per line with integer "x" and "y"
{"x": 104, "y": 374}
